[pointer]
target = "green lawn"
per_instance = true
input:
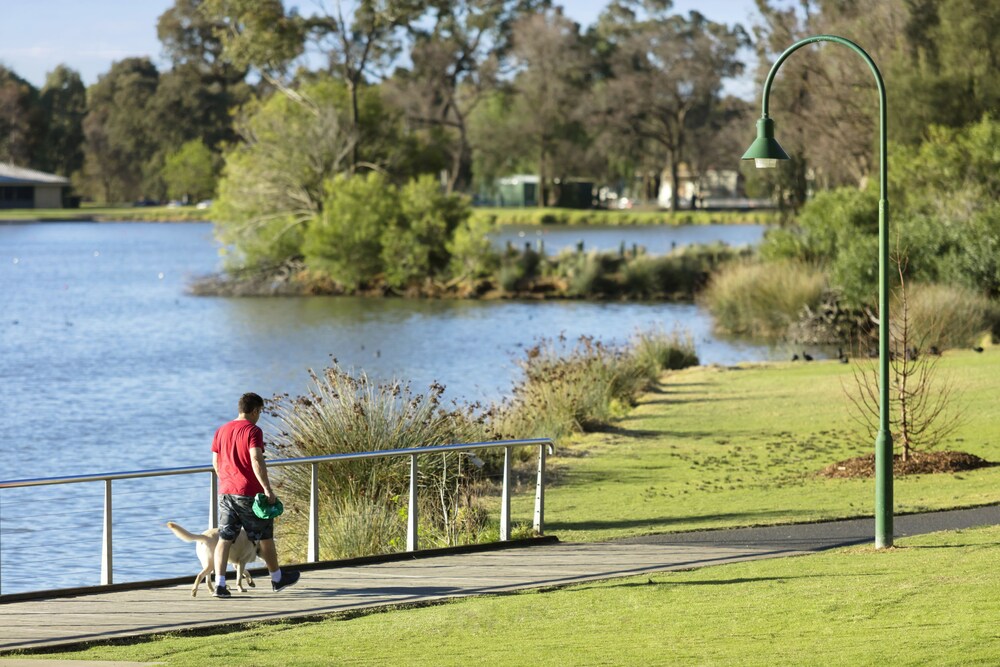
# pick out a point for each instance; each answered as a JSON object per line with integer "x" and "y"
{"x": 570, "y": 216}
{"x": 929, "y": 602}
{"x": 711, "y": 447}
{"x": 716, "y": 447}
{"x": 108, "y": 214}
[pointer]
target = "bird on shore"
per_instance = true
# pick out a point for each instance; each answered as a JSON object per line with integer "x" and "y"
{"x": 807, "y": 356}
{"x": 978, "y": 348}
{"x": 933, "y": 350}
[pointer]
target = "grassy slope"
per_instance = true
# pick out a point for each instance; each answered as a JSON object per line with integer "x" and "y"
{"x": 718, "y": 447}
{"x": 766, "y": 428}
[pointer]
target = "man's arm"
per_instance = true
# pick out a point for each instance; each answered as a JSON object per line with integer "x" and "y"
{"x": 215, "y": 463}
{"x": 260, "y": 470}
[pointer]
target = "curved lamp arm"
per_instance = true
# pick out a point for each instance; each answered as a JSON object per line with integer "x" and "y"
{"x": 878, "y": 82}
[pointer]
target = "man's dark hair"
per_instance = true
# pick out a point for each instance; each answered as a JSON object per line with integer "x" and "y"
{"x": 250, "y": 402}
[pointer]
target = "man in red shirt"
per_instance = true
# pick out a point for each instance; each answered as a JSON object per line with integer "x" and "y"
{"x": 238, "y": 459}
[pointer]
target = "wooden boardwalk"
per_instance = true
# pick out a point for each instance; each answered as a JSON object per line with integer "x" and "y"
{"x": 102, "y": 616}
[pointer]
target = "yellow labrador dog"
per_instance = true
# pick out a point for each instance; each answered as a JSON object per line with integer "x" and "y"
{"x": 241, "y": 553}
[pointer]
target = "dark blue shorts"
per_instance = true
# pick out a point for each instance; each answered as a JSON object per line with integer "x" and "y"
{"x": 236, "y": 512}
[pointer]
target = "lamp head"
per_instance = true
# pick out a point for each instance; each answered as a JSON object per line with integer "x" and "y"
{"x": 765, "y": 151}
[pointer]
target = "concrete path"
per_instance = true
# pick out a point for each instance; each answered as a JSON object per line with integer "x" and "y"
{"x": 85, "y": 618}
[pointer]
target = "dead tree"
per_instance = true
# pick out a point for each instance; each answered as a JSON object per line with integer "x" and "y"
{"x": 921, "y": 411}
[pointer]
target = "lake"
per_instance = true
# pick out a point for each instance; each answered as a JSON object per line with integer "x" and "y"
{"x": 107, "y": 364}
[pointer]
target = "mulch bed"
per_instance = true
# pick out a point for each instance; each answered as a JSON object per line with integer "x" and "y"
{"x": 919, "y": 463}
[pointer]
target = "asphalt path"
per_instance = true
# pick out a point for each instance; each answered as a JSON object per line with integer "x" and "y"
{"x": 827, "y": 534}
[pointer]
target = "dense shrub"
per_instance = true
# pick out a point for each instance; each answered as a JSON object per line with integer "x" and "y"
{"x": 568, "y": 390}
{"x": 762, "y": 299}
{"x": 947, "y": 316}
{"x": 944, "y": 217}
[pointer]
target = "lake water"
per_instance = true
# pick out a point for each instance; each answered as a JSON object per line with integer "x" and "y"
{"x": 106, "y": 364}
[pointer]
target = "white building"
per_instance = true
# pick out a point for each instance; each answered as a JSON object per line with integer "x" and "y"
{"x": 27, "y": 188}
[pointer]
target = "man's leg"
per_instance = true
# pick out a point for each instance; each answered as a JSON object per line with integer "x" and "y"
{"x": 269, "y": 554}
{"x": 221, "y": 561}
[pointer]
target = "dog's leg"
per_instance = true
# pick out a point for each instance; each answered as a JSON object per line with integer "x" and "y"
{"x": 240, "y": 573}
{"x": 205, "y": 574}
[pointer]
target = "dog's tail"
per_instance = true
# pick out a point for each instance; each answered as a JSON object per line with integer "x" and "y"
{"x": 185, "y": 535}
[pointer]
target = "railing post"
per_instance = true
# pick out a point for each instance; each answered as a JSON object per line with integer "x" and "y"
{"x": 313, "y": 554}
{"x": 508, "y": 453}
{"x": 540, "y": 492}
{"x": 106, "y": 553}
{"x": 411, "y": 521}
{"x": 213, "y": 501}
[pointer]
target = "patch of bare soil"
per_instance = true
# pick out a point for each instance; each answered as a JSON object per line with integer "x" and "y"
{"x": 919, "y": 463}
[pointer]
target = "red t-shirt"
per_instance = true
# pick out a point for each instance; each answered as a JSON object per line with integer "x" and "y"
{"x": 232, "y": 443}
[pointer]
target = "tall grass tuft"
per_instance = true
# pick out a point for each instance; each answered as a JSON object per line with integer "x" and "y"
{"x": 762, "y": 299}
{"x": 948, "y": 316}
{"x": 582, "y": 388}
{"x": 363, "y": 502}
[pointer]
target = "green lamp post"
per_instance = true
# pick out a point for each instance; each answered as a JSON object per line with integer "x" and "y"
{"x": 765, "y": 152}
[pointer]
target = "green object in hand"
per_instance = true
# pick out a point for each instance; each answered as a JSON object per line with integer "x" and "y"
{"x": 264, "y": 510}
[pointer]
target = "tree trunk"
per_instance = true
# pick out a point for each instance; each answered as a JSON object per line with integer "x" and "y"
{"x": 352, "y": 88}
{"x": 542, "y": 189}
{"x": 675, "y": 180}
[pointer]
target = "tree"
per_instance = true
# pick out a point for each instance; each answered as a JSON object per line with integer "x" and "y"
{"x": 118, "y": 129}
{"x": 455, "y": 64}
{"x": 63, "y": 100}
{"x": 920, "y": 402}
{"x": 22, "y": 123}
{"x": 552, "y": 66}
{"x": 190, "y": 172}
{"x": 272, "y": 184}
{"x": 359, "y": 46}
{"x": 667, "y": 72}
{"x": 202, "y": 87}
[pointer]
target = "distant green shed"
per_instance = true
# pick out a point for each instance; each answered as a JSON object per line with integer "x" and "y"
{"x": 522, "y": 190}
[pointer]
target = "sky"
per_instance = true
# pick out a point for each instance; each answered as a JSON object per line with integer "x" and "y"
{"x": 88, "y": 35}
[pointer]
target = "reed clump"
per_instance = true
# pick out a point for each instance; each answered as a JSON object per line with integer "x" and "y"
{"x": 757, "y": 299}
{"x": 364, "y": 504}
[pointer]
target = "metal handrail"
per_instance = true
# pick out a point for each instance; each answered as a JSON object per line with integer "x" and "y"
{"x": 107, "y": 553}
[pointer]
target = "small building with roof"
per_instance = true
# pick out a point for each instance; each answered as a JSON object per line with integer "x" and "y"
{"x": 27, "y": 188}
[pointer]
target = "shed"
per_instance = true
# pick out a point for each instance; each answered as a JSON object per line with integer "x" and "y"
{"x": 522, "y": 190}
{"x": 26, "y": 188}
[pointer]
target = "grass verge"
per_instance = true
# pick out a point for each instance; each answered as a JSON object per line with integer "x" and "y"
{"x": 108, "y": 214}
{"x": 924, "y": 602}
{"x": 569, "y": 216}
